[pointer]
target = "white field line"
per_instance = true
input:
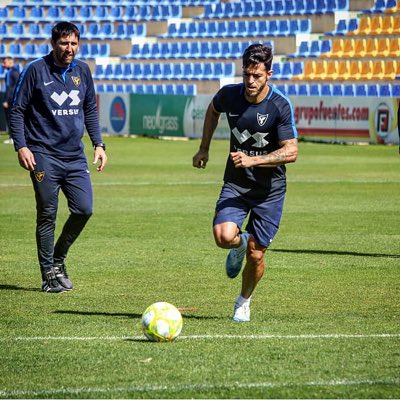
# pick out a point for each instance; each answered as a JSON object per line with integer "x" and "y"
{"x": 218, "y": 182}
{"x": 197, "y": 387}
{"x": 210, "y": 337}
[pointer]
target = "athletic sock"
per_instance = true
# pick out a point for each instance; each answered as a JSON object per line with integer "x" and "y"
{"x": 241, "y": 300}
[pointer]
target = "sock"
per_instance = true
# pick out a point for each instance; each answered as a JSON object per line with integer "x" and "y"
{"x": 241, "y": 300}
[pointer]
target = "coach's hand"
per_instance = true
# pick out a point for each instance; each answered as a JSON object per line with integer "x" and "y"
{"x": 200, "y": 159}
{"x": 26, "y": 159}
{"x": 100, "y": 155}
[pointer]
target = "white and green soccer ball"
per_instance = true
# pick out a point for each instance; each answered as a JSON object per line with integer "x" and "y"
{"x": 161, "y": 322}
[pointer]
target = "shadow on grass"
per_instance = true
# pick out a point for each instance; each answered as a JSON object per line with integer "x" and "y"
{"x": 14, "y": 287}
{"x": 338, "y": 253}
{"x": 127, "y": 315}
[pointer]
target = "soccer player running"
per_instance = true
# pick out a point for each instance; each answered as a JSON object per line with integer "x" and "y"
{"x": 53, "y": 101}
{"x": 263, "y": 139}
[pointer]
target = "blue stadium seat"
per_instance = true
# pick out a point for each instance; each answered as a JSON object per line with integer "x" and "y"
{"x": 396, "y": 91}
{"x": 278, "y": 7}
{"x": 170, "y": 88}
{"x": 292, "y": 89}
{"x": 302, "y": 51}
{"x": 286, "y": 70}
{"x": 361, "y": 90}
{"x": 349, "y": 90}
{"x": 326, "y": 46}
{"x": 303, "y": 89}
{"x": 18, "y": 14}
{"x": 282, "y": 88}
{"x": 337, "y": 89}
{"x": 37, "y": 14}
{"x": 314, "y": 89}
{"x": 315, "y": 49}
{"x": 372, "y": 90}
{"x": 127, "y": 72}
{"x": 311, "y": 7}
{"x": 326, "y": 89}
{"x": 385, "y": 90}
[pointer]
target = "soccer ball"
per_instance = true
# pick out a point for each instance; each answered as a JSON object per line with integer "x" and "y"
{"x": 161, "y": 322}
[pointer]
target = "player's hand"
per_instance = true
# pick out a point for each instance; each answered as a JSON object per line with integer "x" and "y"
{"x": 200, "y": 159}
{"x": 100, "y": 155}
{"x": 241, "y": 160}
{"x": 26, "y": 159}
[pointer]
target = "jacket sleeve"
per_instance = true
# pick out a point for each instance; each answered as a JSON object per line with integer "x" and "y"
{"x": 20, "y": 103}
{"x": 91, "y": 112}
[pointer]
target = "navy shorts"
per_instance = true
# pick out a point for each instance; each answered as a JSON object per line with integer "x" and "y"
{"x": 265, "y": 209}
{"x": 72, "y": 177}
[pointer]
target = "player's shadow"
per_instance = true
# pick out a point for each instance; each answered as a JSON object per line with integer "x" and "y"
{"x": 19, "y": 288}
{"x": 336, "y": 252}
{"x": 128, "y": 315}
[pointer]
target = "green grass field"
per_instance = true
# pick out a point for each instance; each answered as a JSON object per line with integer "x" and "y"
{"x": 325, "y": 318}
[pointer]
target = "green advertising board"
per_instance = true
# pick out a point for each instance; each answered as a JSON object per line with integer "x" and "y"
{"x": 162, "y": 115}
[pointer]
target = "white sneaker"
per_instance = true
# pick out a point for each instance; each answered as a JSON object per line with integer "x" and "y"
{"x": 9, "y": 141}
{"x": 241, "y": 313}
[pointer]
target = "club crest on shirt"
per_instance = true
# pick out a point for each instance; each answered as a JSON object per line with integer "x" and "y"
{"x": 76, "y": 80}
{"x": 262, "y": 119}
{"x": 39, "y": 175}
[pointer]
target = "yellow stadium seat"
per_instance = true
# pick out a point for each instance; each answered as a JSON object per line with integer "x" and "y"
{"x": 387, "y": 25}
{"x": 383, "y": 47}
{"x": 320, "y": 70}
{"x": 366, "y": 70}
{"x": 354, "y": 70}
{"x": 396, "y": 25}
{"x": 371, "y": 48}
{"x": 360, "y": 47}
{"x": 376, "y": 25}
{"x": 378, "y": 69}
{"x": 348, "y": 48}
{"x": 394, "y": 47}
{"x": 390, "y": 69}
{"x": 332, "y": 70}
{"x": 343, "y": 70}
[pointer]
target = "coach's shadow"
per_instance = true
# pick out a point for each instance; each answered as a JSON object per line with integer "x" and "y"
{"x": 19, "y": 288}
{"x": 128, "y": 315}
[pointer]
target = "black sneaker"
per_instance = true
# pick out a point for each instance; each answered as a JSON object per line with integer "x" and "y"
{"x": 62, "y": 277}
{"x": 51, "y": 284}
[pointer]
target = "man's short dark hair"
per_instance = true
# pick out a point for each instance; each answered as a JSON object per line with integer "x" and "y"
{"x": 62, "y": 29}
{"x": 258, "y": 54}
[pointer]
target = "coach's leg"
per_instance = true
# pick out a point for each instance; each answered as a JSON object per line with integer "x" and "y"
{"x": 78, "y": 191}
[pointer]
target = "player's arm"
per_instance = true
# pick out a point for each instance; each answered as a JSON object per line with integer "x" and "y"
{"x": 211, "y": 119}
{"x": 286, "y": 154}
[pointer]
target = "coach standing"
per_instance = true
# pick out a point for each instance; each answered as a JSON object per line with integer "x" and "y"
{"x": 54, "y": 100}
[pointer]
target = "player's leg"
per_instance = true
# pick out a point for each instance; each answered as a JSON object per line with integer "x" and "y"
{"x": 78, "y": 191}
{"x": 45, "y": 179}
{"x": 263, "y": 225}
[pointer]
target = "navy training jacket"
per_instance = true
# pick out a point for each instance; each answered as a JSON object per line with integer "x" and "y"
{"x": 51, "y": 107}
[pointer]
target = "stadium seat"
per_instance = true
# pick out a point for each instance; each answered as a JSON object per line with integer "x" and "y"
{"x": 303, "y": 89}
{"x": 396, "y": 91}
{"x": 361, "y": 90}
{"x": 349, "y": 90}
{"x": 292, "y": 90}
{"x": 372, "y": 90}
{"x": 385, "y": 90}
{"x": 394, "y": 47}
{"x": 314, "y": 89}
{"x": 326, "y": 89}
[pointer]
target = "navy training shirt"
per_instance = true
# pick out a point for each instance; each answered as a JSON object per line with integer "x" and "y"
{"x": 256, "y": 129}
{"x": 51, "y": 107}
